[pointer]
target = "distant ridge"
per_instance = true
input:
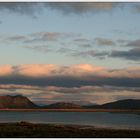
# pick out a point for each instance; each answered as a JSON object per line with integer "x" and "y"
{"x": 64, "y": 105}
{"x": 17, "y": 101}
{"x": 21, "y": 102}
{"x": 121, "y": 104}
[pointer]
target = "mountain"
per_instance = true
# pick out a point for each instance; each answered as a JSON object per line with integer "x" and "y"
{"x": 63, "y": 105}
{"x": 22, "y": 102}
{"x": 46, "y": 102}
{"x": 17, "y": 101}
{"x": 121, "y": 104}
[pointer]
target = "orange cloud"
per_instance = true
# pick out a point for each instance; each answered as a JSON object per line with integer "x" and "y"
{"x": 15, "y": 86}
{"x": 86, "y": 68}
{"x": 5, "y": 70}
{"x": 35, "y": 70}
{"x": 78, "y": 70}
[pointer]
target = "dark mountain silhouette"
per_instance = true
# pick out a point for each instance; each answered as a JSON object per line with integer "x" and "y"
{"x": 121, "y": 104}
{"x": 17, "y": 101}
{"x": 63, "y": 105}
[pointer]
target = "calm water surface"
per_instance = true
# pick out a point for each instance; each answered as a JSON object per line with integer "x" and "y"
{"x": 97, "y": 119}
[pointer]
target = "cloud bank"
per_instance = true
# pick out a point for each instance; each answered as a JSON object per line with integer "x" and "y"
{"x": 132, "y": 54}
{"x": 80, "y": 83}
{"x": 74, "y": 44}
{"x": 81, "y": 95}
{"x": 69, "y": 76}
{"x": 82, "y": 7}
{"x": 34, "y": 8}
{"x": 22, "y": 8}
{"x": 135, "y": 43}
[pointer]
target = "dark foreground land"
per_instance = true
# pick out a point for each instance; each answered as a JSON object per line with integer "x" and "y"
{"x": 29, "y": 130}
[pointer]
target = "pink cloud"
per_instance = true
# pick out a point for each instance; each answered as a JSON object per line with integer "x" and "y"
{"x": 16, "y": 86}
{"x": 78, "y": 70}
{"x": 5, "y": 70}
{"x": 35, "y": 70}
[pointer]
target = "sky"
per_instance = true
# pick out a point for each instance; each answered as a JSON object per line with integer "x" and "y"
{"x": 82, "y": 52}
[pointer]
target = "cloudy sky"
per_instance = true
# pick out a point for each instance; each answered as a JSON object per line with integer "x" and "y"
{"x": 73, "y": 52}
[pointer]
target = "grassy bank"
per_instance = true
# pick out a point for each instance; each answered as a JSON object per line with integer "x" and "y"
{"x": 29, "y": 130}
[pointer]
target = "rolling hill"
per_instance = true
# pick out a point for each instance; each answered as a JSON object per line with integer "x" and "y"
{"x": 64, "y": 105}
{"x": 17, "y": 101}
{"x": 121, "y": 104}
{"x": 21, "y": 102}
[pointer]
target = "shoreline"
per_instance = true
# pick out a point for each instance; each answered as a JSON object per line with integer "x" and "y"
{"x": 72, "y": 110}
{"x": 39, "y": 130}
